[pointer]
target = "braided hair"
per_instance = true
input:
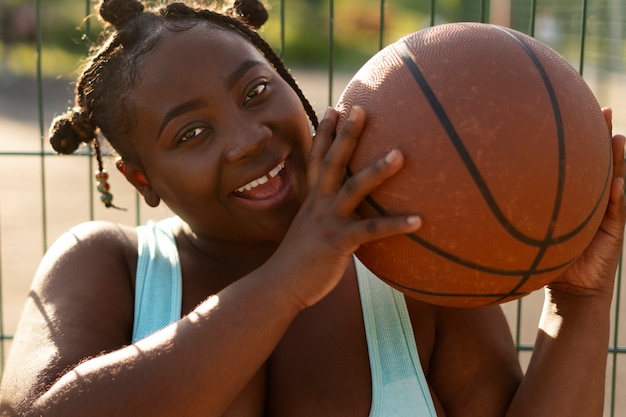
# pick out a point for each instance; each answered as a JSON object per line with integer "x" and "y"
{"x": 112, "y": 70}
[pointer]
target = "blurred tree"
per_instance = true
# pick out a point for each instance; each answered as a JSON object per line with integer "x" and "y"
{"x": 304, "y": 40}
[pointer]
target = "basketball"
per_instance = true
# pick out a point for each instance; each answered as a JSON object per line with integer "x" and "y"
{"x": 507, "y": 161}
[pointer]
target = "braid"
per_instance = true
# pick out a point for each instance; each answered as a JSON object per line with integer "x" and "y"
{"x": 102, "y": 177}
{"x": 274, "y": 59}
{"x": 102, "y": 105}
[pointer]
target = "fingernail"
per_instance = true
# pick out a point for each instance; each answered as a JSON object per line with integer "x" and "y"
{"x": 328, "y": 112}
{"x": 392, "y": 156}
{"x": 414, "y": 220}
{"x": 352, "y": 115}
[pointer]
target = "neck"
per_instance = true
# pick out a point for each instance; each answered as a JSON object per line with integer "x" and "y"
{"x": 232, "y": 257}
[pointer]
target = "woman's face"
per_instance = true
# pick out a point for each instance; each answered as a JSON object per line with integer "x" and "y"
{"x": 223, "y": 139}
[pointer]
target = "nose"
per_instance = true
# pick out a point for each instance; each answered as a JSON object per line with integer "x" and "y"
{"x": 248, "y": 139}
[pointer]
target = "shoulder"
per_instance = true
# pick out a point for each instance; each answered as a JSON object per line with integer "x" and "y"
{"x": 80, "y": 305}
{"x": 92, "y": 246}
{"x": 93, "y": 234}
{"x": 89, "y": 265}
{"x": 85, "y": 283}
{"x": 112, "y": 235}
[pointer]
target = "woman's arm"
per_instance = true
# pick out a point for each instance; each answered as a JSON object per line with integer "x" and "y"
{"x": 69, "y": 357}
{"x": 474, "y": 370}
{"x": 566, "y": 373}
{"x": 214, "y": 351}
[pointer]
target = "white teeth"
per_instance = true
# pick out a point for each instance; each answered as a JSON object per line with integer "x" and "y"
{"x": 276, "y": 170}
{"x": 262, "y": 180}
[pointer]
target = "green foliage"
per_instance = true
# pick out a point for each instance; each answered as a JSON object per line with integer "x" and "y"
{"x": 313, "y": 33}
{"x": 310, "y": 37}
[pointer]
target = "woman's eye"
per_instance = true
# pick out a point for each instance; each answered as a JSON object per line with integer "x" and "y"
{"x": 257, "y": 90}
{"x": 192, "y": 133}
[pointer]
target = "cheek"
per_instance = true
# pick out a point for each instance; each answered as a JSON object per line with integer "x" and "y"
{"x": 185, "y": 179}
{"x": 291, "y": 103}
{"x": 303, "y": 139}
{"x": 303, "y": 129}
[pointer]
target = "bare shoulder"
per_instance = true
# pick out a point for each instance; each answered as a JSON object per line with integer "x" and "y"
{"x": 80, "y": 305}
{"x": 95, "y": 235}
{"x": 91, "y": 258}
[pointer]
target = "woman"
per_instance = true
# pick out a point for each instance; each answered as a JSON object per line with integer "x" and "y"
{"x": 258, "y": 262}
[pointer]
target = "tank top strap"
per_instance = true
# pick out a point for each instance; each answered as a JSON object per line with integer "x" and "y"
{"x": 158, "y": 292}
{"x": 399, "y": 387}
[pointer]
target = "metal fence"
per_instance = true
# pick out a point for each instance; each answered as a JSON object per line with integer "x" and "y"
{"x": 42, "y": 194}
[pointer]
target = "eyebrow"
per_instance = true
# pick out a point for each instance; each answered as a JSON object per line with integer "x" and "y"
{"x": 176, "y": 111}
{"x": 240, "y": 71}
{"x": 197, "y": 103}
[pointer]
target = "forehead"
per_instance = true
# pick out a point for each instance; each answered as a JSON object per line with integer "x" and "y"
{"x": 204, "y": 48}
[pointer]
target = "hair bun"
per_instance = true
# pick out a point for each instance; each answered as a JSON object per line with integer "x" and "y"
{"x": 119, "y": 12}
{"x": 62, "y": 137}
{"x": 68, "y": 131}
{"x": 251, "y": 12}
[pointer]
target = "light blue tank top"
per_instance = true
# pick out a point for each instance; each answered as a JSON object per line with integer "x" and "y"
{"x": 399, "y": 387}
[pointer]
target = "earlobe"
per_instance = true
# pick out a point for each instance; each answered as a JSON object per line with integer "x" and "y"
{"x": 121, "y": 166}
{"x": 138, "y": 179}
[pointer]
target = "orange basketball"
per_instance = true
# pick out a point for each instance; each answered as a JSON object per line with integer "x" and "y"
{"x": 507, "y": 160}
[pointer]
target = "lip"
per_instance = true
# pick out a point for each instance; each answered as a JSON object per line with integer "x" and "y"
{"x": 285, "y": 191}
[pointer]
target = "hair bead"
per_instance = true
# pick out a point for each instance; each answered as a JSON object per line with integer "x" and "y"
{"x": 103, "y": 188}
{"x": 102, "y": 178}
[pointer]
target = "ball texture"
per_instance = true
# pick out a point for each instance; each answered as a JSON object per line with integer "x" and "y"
{"x": 507, "y": 160}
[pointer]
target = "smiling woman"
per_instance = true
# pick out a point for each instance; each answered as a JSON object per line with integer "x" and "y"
{"x": 219, "y": 134}
{"x": 249, "y": 301}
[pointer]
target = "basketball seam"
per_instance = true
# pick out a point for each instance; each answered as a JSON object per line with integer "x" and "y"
{"x": 542, "y": 245}
{"x": 410, "y": 60}
{"x": 549, "y": 240}
{"x": 464, "y": 262}
{"x": 498, "y": 296}
{"x": 561, "y": 142}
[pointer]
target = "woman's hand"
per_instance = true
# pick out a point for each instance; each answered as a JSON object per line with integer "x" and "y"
{"x": 594, "y": 271}
{"x": 320, "y": 242}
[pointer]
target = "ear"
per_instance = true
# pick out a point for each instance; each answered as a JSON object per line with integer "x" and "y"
{"x": 138, "y": 179}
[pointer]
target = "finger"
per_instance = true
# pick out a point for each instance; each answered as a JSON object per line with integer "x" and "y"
{"x": 616, "y": 201}
{"x": 382, "y": 227}
{"x": 608, "y": 118}
{"x": 614, "y": 217}
{"x": 613, "y": 222}
{"x": 367, "y": 230}
{"x": 358, "y": 186}
{"x": 335, "y": 163}
{"x": 321, "y": 142}
{"x": 617, "y": 143}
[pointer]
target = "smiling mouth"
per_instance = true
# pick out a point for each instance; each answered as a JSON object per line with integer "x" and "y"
{"x": 263, "y": 187}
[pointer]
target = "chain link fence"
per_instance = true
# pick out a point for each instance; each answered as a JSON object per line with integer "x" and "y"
{"x": 42, "y": 194}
